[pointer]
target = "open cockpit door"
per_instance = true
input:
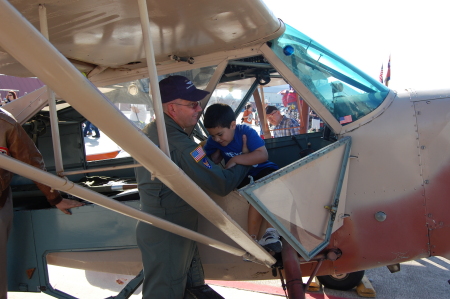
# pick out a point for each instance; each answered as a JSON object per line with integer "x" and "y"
{"x": 305, "y": 200}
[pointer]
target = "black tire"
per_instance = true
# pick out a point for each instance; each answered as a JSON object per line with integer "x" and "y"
{"x": 342, "y": 282}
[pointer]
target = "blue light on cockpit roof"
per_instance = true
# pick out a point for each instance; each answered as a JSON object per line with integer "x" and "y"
{"x": 288, "y": 50}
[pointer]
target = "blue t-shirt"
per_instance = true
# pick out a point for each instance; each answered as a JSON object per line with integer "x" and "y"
{"x": 234, "y": 148}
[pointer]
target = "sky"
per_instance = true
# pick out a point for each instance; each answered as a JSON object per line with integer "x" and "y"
{"x": 365, "y": 33}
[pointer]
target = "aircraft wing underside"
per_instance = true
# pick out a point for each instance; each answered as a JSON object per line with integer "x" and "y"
{"x": 109, "y": 33}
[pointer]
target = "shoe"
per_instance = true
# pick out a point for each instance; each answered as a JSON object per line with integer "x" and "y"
{"x": 88, "y": 134}
{"x": 271, "y": 241}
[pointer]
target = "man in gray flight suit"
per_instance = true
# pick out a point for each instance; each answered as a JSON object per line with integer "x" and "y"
{"x": 172, "y": 263}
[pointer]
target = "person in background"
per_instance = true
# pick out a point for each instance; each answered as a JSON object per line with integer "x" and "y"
{"x": 226, "y": 141}
{"x": 10, "y": 96}
{"x": 172, "y": 264}
{"x": 289, "y": 99}
{"x": 247, "y": 117}
{"x": 315, "y": 121}
{"x": 14, "y": 142}
{"x": 138, "y": 115}
{"x": 283, "y": 126}
{"x": 88, "y": 130}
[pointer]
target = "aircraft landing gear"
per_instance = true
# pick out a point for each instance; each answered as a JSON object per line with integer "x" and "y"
{"x": 342, "y": 282}
{"x": 291, "y": 265}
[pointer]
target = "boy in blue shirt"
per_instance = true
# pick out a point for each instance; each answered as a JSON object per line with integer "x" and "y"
{"x": 226, "y": 141}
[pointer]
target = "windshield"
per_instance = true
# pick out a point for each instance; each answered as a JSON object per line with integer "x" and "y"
{"x": 345, "y": 91}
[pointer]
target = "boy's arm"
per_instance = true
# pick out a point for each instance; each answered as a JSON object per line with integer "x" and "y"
{"x": 216, "y": 157}
{"x": 259, "y": 155}
{"x": 212, "y": 151}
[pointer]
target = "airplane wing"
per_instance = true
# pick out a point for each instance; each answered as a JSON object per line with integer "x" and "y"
{"x": 108, "y": 34}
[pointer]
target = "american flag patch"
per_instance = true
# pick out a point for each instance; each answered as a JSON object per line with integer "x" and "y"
{"x": 4, "y": 151}
{"x": 345, "y": 119}
{"x": 198, "y": 153}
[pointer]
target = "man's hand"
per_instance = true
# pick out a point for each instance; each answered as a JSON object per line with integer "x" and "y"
{"x": 66, "y": 204}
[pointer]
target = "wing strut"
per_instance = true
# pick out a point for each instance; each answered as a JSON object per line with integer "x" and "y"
{"x": 67, "y": 186}
{"x": 153, "y": 76}
{"x": 52, "y": 102}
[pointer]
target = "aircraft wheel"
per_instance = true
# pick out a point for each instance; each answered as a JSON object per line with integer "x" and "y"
{"x": 342, "y": 282}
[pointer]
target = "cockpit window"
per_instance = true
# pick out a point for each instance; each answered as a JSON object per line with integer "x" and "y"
{"x": 133, "y": 99}
{"x": 345, "y": 91}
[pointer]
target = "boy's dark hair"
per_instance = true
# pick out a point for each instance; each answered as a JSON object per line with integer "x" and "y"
{"x": 218, "y": 115}
{"x": 248, "y": 106}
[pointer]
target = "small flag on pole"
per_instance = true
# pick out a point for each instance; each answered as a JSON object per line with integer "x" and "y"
{"x": 345, "y": 119}
{"x": 388, "y": 73}
{"x": 381, "y": 74}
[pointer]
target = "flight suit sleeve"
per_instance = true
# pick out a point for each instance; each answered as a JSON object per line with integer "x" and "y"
{"x": 196, "y": 164}
{"x": 22, "y": 148}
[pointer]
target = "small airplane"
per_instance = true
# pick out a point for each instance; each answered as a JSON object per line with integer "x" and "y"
{"x": 370, "y": 190}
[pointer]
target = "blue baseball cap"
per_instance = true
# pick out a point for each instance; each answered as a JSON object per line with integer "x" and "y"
{"x": 179, "y": 87}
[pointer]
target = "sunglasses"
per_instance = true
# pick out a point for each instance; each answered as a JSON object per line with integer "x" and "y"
{"x": 193, "y": 105}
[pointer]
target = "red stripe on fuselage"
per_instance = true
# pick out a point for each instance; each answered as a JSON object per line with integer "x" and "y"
{"x": 437, "y": 193}
{"x": 367, "y": 243}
